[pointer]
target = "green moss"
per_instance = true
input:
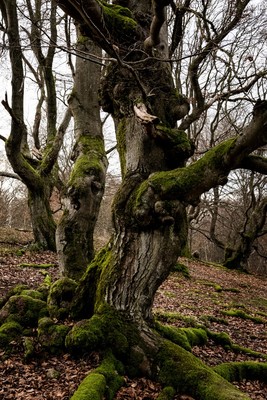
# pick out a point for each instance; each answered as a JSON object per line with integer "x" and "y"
{"x": 29, "y": 349}
{"x": 60, "y": 297}
{"x": 221, "y": 338}
{"x": 112, "y": 370}
{"x": 12, "y": 292}
{"x": 169, "y": 316}
{"x": 177, "y": 144}
{"x": 224, "y": 340}
{"x": 242, "y": 314}
{"x": 88, "y": 162}
{"x": 93, "y": 387}
{"x": 237, "y": 371}
{"x": 183, "y": 269}
{"x": 121, "y": 144}
{"x": 195, "y": 336}
{"x": 179, "y": 182}
{"x": 103, "y": 381}
{"x": 105, "y": 329}
{"x": 187, "y": 374}
{"x": 8, "y": 332}
{"x": 52, "y": 336}
{"x": 184, "y": 337}
{"x": 86, "y": 294}
{"x": 86, "y": 336}
{"x": 35, "y": 294}
{"x": 24, "y": 310}
{"x": 175, "y": 335}
{"x": 167, "y": 393}
{"x": 119, "y": 21}
{"x": 32, "y": 265}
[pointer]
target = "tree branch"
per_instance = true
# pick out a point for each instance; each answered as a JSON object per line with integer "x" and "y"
{"x": 156, "y": 24}
{"x": 10, "y": 175}
{"x": 255, "y": 163}
{"x": 187, "y": 184}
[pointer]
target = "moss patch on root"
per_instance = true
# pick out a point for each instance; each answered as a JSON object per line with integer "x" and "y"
{"x": 237, "y": 371}
{"x": 103, "y": 381}
{"x": 196, "y": 379}
{"x": 99, "y": 332}
{"x": 184, "y": 337}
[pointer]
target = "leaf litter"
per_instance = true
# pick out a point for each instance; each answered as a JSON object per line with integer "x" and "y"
{"x": 203, "y": 298}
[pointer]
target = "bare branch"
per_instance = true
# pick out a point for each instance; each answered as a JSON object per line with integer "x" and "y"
{"x": 10, "y": 175}
{"x": 156, "y": 25}
{"x": 255, "y": 163}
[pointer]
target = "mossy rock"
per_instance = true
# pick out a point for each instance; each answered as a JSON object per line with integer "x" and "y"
{"x": 85, "y": 336}
{"x": 60, "y": 297}
{"x": 12, "y": 292}
{"x": 35, "y": 294}
{"x": 167, "y": 393}
{"x": 8, "y": 332}
{"x": 23, "y": 309}
{"x": 52, "y": 336}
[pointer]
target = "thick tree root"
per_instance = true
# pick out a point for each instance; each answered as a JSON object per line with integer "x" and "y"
{"x": 188, "y": 375}
{"x": 145, "y": 351}
{"x": 101, "y": 383}
{"x": 237, "y": 371}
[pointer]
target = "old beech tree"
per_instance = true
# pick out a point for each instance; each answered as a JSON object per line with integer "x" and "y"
{"x": 114, "y": 298}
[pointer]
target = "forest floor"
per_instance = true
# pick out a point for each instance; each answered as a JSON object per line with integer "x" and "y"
{"x": 222, "y": 300}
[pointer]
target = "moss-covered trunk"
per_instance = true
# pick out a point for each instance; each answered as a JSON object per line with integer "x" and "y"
{"x": 85, "y": 188}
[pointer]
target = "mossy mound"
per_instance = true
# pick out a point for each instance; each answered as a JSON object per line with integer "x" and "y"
{"x": 23, "y": 309}
{"x": 52, "y": 336}
{"x": 8, "y": 332}
{"x": 35, "y": 294}
{"x": 60, "y": 297}
{"x": 12, "y": 292}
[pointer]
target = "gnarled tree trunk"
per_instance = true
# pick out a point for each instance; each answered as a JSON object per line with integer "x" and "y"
{"x": 149, "y": 212}
{"x": 75, "y": 245}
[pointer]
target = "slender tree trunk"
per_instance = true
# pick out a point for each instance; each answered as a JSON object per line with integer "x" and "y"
{"x": 43, "y": 224}
{"x": 85, "y": 188}
{"x": 237, "y": 257}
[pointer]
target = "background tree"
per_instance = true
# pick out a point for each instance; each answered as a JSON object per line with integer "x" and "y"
{"x": 38, "y": 174}
{"x": 85, "y": 188}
